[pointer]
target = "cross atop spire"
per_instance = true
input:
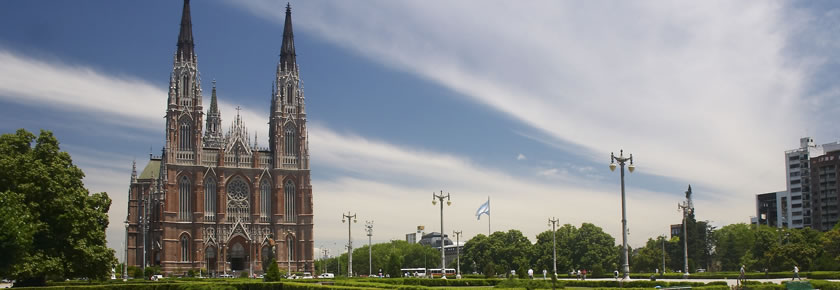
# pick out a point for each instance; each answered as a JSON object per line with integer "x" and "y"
{"x": 186, "y": 46}
{"x": 287, "y": 49}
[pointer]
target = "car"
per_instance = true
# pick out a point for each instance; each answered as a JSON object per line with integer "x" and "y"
{"x": 156, "y": 277}
{"x": 326, "y": 276}
{"x": 307, "y": 275}
{"x": 261, "y": 276}
{"x": 225, "y": 276}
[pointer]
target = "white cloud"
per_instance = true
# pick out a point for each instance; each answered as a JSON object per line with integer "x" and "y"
{"x": 521, "y": 157}
{"x": 700, "y": 92}
{"x": 380, "y": 181}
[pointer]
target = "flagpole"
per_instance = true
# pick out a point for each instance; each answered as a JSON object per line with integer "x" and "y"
{"x": 488, "y": 216}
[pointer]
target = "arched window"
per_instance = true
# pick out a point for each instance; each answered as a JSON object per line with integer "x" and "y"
{"x": 291, "y": 247}
{"x": 210, "y": 199}
{"x": 265, "y": 200}
{"x": 290, "y": 200}
{"x": 291, "y": 149}
{"x": 184, "y": 200}
{"x": 185, "y": 91}
{"x": 185, "y": 248}
{"x": 185, "y": 137}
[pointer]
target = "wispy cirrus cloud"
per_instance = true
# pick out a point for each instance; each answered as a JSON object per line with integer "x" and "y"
{"x": 383, "y": 182}
{"x": 698, "y": 91}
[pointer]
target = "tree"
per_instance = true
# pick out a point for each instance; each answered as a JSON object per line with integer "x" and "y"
{"x": 65, "y": 222}
{"x": 273, "y": 273}
{"x": 732, "y": 243}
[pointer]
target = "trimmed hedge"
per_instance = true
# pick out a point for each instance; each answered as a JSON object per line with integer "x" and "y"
{"x": 734, "y": 275}
{"x": 530, "y": 284}
{"x": 433, "y": 282}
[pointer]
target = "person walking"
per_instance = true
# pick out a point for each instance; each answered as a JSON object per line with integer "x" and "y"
{"x": 795, "y": 273}
{"x": 742, "y": 278}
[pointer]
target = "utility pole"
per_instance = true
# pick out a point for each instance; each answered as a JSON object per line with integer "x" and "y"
{"x": 663, "y": 257}
{"x": 348, "y": 218}
{"x": 625, "y": 267}
{"x": 369, "y": 230}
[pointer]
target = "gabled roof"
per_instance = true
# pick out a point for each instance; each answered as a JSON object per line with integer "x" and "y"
{"x": 152, "y": 170}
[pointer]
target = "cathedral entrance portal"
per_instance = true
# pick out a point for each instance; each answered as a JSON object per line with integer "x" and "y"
{"x": 238, "y": 257}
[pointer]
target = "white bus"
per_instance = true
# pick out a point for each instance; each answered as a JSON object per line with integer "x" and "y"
{"x": 413, "y": 272}
{"x": 436, "y": 273}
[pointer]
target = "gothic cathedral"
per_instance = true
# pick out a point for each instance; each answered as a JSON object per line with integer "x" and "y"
{"x": 217, "y": 202}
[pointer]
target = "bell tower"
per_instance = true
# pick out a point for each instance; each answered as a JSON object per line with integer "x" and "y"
{"x": 184, "y": 111}
{"x": 287, "y": 128}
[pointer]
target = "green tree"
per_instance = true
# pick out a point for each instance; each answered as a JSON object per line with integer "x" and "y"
{"x": 732, "y": 242}
{"x": 273, "y": 273}
{"x": 66, "y": 223}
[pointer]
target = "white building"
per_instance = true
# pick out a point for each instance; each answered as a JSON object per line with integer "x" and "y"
{"x": 797, "y": 213}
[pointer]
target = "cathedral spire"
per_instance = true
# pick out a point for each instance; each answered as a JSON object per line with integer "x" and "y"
{"x": 287, "y": 50}
{"x": 186, "y": 46}
{"x": 213, "y": 128}
{"x": 133, "y": 171}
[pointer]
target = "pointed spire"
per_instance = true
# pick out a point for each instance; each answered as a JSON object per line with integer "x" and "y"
{"x": 186, "y": 46}
{"x": 214, "y": 107}
{"x": 287, "y": 50}
{"x": 133, "y": 171}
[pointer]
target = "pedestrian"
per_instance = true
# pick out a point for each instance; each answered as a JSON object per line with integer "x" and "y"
{"x": 796, "y": 273}
{"x": 742, "y": 278}
{"x": 615, "y": 273}
{"x": 531, "y": 273}
{"x": 584, "y": 274}
{"x": 578, "y": 274}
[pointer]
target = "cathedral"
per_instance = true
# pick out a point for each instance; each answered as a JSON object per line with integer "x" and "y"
{"x": 213, "y": 200}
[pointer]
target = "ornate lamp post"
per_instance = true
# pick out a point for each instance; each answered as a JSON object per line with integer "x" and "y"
{"x": 458, "y": 253}
{"x": 346, "y": 218}
{"x": 625, "y": 267}
{"x": 553, "y": 223}
{"x": 369, "y": 230}
{"x": 687, "y": 207}
{"x": 435, "y": 198}
{"x": 125, "y": 258}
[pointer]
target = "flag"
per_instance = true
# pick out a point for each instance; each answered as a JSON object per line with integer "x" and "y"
{"x": 483, "y": 209}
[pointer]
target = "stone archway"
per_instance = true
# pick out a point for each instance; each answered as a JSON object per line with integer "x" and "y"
{"x": 238, "y": 255}
{"x": 212, "y": 259}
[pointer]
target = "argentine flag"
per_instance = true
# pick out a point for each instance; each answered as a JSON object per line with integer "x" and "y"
{"x": 483, "y": 209}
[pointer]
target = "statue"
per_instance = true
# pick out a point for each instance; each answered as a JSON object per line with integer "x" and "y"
{"x": 270, "y": 252}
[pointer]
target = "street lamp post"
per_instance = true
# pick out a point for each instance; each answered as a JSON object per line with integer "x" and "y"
{"x": 553, "y": 222}
{"x": 347, "y": 217}
{"x": 289, "y": 239}
{"x": 435, "y": 198}
{"x": 687, "y": 208}
{"x": 458, "y": 253}
{"x": 663, "y": 257}
{"x": 369, "y": 230}
{"x": 125, "y": 258}
{"x": 625, "y": 267}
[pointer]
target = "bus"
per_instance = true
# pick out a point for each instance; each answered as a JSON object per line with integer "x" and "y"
{"x": 413, "y": 272}
{"x": 436, "y": 273}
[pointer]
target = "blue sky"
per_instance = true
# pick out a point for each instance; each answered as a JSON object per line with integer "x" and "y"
{"x": 522, "y": 102}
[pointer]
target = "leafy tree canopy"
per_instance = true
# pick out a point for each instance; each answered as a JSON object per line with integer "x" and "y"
{"x": 50, "y": 225}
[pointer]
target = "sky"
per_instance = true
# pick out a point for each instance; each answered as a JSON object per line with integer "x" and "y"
{"x": 519, "y": 102}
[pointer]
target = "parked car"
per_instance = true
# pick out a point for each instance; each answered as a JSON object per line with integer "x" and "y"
{"x": 326, "y": 276}
{"x": 225, "y": 276}
{"x": 307, "y": 275}
{"x": 156, "y": 277}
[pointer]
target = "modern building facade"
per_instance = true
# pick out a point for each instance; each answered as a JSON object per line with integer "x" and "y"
{"x": 799, "y": 210}
{"x": 824, "y": 191}
{"x": 217, "y": 201}
{"x": 772, "y": 209}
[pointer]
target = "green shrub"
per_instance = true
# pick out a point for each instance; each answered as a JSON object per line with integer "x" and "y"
{"x": 273, "y": 273}
{"x": 825, "y": 285}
